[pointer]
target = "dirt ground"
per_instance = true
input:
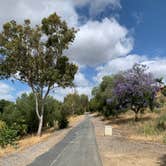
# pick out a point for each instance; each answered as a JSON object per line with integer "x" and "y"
{"x": 33, "y": 146}
{"x": 120, "y": 150}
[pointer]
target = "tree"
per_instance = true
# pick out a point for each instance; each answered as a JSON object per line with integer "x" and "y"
{"x": 84, "y": 102}
{"x": 21, "y": 115}
{"x": 3, "y": 104}
{"x": 136, "y": 89}
{"x": 71, "y": 103}
{"x": 75, "y": 104}
{"x": 93, "y": 105}
{"x": 163, "y": 90}
{"x": 34, "y": 55}
{"x": 101, "y": 94}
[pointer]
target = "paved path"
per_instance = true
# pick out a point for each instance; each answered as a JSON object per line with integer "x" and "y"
{"x": 78, "y": 148}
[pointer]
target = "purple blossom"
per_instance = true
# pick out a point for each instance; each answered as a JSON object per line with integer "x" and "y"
{"x": 135, "y": 88}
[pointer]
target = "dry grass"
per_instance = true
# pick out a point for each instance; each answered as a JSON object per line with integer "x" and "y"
{"x": 26, "y": 142}
{"x": 120, "y": 150}
{"x": 75, "y": 119}
{"x": 135, "y": 130}
{"x": 30, "y": 140}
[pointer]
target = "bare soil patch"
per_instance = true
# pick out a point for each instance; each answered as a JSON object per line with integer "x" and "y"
{"x": 122, "y": 150}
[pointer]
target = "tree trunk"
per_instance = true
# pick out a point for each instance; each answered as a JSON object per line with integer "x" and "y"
{"x": 39, "y": 132}
{"x": 40, "y": 102}
{"x": 136, "y": 116}
{"x": 136, "y": 111}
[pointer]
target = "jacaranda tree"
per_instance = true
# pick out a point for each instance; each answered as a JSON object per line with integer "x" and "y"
{"x": 136, "y": 89}
{"x": 34, "y": 55}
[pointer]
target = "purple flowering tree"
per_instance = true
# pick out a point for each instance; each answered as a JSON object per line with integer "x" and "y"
{"x": 136, "y": 89}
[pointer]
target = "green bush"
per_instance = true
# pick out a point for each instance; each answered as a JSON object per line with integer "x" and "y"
{"x": 22, "y": 117}
{"x": 8, "y": 136}
{"x": 21, "y": 128}
{"x": 2, "y": 124}
{"x": 63, "y": 122}
{"x": 161, "y": 122}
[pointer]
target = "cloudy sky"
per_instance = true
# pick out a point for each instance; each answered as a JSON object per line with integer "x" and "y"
{"x": 112, "y": 36}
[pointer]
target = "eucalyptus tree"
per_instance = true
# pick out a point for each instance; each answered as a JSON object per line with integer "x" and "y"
{"x": 34, "y": 55}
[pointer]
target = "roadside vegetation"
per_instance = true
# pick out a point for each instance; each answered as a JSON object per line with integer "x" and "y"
{"x": 18, "y": 119}
{"x": 34, "y": 55}
{"x": 133, "y": 101}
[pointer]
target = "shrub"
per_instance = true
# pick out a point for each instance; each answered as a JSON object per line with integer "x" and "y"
{"x": 21, "y": 128}
{"x": 161, "y": 122}
{"x": 2, "y": 124}
{"x": 8, "y": 136}
{"x": 63, "y": 122}
{"x": 22, "y": 117}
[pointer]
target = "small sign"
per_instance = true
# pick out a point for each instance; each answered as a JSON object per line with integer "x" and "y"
{"x": 108, "y": 130}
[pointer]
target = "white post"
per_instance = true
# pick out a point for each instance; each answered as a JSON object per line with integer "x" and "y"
{"x": 108, "y": 130}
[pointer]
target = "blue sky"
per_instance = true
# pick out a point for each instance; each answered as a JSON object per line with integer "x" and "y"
{"x": 112, "y": 36}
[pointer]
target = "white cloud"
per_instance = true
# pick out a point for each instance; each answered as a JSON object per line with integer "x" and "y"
{"x": 36, "y": 10}
{"x": 97, "y": 6}
{"x": 156, "y": 66}
{"x": 80, "y": 80}
{"x": 95, "y": 43}
{"x": 5, "y": 91}
{"x": 98, "y": 42}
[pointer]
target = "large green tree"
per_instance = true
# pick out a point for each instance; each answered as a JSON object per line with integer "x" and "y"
{"x": 101, "y": 94}
{"x": 34, "y": 55}
{"x": 84, "y": 102}
{"x": 75, "y": 104}
{"x": 21, "y": 115}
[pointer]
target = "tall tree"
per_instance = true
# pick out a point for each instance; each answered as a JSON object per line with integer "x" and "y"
{"x": 101, "y": 94}
{"x": 34, "y": 55}
{"x": 72, "y": 103}
{"x": 136, "y": 89}
{"x": 75, "y": 104}
{"x": 84, "y": 102}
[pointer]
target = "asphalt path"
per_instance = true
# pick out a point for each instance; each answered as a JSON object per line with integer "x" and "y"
{"x": 78, "y": 148}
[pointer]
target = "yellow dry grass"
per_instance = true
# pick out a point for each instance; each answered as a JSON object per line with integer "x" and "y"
{"x": 75, "y": 119}
{"x": 25, "y": 142}
{"x": 131, "y": 129}
{"x": 30, "y": 140}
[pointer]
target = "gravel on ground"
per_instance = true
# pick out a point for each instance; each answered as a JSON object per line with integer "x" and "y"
{"x": 118, "y": 150}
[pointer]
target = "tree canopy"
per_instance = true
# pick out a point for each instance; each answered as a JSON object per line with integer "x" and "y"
{"x": 34, "y": 55}
{"x": 136, "y": 89}
{"x": 76, "y": 104}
